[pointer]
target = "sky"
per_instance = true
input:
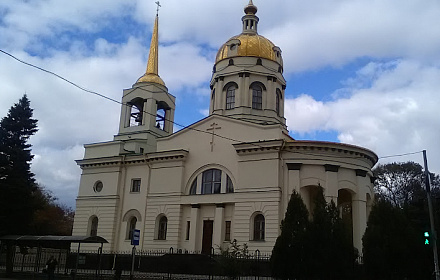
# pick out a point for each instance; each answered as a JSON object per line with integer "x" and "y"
{"x": 362, "y": 72}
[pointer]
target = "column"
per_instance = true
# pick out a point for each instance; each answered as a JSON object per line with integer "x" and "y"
{"x": 219, "y": 94}
{"x": 239, "y": 95}
{"x": 218, "y": 225}
{"x": 282, "y": 101}
{"x": 293, "y": 177}
{"x": 269, "y": 99}
{"x": 359, "y": 208}
{"x": 169, "y": 117}
{"x": 331, "y": 182}
{"x": 246, "y": 94}
{"x": 193, "y": 227}
{"x": 149, "y": 118}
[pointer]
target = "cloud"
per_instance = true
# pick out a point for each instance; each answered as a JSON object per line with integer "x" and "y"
{"x": 396, "y": 113}
{"x": 334, "y": 33}
{"x": 305, "y": 114}
{"x": 55, "y": 170}
{"x": 29, "y": 21}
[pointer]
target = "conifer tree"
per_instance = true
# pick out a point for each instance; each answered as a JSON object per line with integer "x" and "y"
{"x": 287, "y": 259}
{"x": 17, "y": 182}
{"x": 392, "y": 248}
{"x": 330, "y": 251}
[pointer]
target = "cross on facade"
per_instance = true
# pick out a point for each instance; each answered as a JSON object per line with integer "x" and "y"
{"x": 158, "y": 5}
{"x": 213, "y": 127}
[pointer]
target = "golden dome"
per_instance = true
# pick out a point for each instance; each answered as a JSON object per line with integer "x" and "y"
{"x": 250, "y": 45}
{"x": 151, "y": 78}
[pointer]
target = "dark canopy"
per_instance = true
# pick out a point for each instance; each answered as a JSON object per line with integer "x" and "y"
{"x": 50, "y": 241}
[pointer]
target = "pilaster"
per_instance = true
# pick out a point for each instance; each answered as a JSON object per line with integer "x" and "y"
{"x": 193, "y": 227}
{"x": 218, "y": 225}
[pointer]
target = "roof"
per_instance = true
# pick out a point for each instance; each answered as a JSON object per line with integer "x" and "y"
{"x": 51, "y": 240}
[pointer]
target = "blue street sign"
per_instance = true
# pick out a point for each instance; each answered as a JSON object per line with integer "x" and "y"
{"x": 136, "y": 237}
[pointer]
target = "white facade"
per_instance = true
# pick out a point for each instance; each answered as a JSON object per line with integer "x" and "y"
{"x": 228, "y": 176}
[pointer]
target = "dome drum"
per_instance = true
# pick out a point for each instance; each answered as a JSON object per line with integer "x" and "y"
{"x": 249, "y": 65}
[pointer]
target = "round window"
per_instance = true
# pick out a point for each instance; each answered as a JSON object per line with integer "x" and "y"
{"x": 232, "y": 47}
{"x": 98, "y": 186}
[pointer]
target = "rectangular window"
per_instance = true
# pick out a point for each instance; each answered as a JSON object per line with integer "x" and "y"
{"x": 228, "y": 231}
{"x": 211, "y": 181}
{"x": 136, "y": 185}
{"x": 230, "y": 98}
{"x": 188, "y": 226}
{"x": 257, "y": 98}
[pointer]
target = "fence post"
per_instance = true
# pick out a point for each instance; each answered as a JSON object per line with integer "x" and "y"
{"x": 133, "y": 256}
{"x": 257, "y": 273}
{"x": 77, "y": 260}
{"x": 99, "y": 261}
{"x": 9, "y": 258}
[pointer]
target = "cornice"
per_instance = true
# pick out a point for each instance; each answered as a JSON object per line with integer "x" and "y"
{"x": 258, "y": 147}
{"x": 297, "y": 146}
{"x": 340, "y": 148}
{"x": 166, "y": 156}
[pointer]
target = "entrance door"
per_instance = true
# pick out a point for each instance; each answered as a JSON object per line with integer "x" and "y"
{"x": 207, "y": 236}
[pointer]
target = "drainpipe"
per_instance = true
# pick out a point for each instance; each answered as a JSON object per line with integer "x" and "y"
{"x": 119, "y": 208}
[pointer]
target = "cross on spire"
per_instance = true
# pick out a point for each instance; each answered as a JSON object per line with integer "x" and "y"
{"x": 158, "y": 5}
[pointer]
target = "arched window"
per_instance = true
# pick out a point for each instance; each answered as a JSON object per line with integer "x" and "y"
{"x": 229, "y": 185}
{"x": 259, "y": 227}
{"x": 193, "y": 189}
{"x": 94, "y": 226}
{"x": 230, "y": 98}
{"x": 278, "y": 101}
{"x": 257, "y": 97}
{"x": 131, "y": 227}
{"x": 213, "y": 99}
{"x": 162, "y": 231}
{"x": 211, "y": 181}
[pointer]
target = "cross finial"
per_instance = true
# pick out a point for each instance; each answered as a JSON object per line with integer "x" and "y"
{"x": 158, "y": 5}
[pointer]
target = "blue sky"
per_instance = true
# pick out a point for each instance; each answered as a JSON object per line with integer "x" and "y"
{"x": 359, "y": 72}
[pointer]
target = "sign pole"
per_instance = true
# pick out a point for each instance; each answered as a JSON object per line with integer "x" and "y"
{"x": 133, "y": 255}
{"x": 136, "y": 234}
{"x": 431, "y": 216}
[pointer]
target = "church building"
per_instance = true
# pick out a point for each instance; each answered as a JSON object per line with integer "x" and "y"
{"x": 228, "y": 176}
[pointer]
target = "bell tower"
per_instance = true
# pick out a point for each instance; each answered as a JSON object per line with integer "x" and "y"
{"x": 148, "y": 109}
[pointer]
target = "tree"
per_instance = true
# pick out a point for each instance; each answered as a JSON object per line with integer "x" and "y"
{"x": 17, "y": 182}
{"x": 393, "y": 242}
{"x": 399, "y": 183}
{"x": 392, "y": 249}
{"x": 287, "y": 260}
{"x": 330, "y": 250}
{"x": 317, "y": 249}
{"x": 50, "y": 218}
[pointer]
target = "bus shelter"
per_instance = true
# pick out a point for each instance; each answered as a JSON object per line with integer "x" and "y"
{"x": 11, "y": 243}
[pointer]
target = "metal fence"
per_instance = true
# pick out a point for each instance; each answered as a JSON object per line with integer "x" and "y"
{"x": 169, "y": 264}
